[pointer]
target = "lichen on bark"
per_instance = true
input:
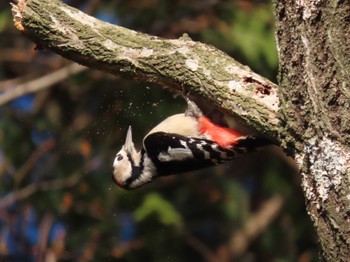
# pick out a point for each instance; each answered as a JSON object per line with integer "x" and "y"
{"x": 315, "y": 102}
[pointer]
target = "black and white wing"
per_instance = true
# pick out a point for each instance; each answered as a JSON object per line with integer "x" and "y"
{"x": 172, "y": 153}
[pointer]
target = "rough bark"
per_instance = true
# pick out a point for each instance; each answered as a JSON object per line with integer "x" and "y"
{"x": 314, "y": 47}
{"x": 312, "y": 120}
{"x": 182, "y": 64}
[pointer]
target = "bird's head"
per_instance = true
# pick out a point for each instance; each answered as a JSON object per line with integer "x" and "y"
{"x": 127, "y": 164}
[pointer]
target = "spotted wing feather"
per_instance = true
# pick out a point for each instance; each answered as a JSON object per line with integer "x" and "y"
{"x": 172, "y": 153}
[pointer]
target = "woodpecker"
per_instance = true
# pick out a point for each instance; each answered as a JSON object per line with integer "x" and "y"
{"x": 181, "y": 143}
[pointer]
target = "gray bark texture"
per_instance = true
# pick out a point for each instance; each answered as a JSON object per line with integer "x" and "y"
{"x": 308, "y": 114}
{"x": 314, "y": 50}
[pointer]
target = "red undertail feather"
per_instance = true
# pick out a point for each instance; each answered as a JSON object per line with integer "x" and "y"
{"x": 224, "y": 136}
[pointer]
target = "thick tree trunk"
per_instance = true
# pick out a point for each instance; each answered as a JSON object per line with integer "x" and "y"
{"x": 314, "y": 47}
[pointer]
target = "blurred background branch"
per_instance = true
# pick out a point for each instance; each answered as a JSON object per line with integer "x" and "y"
{"x": 255, "y": 225}
{"x": 30, "y": 189}
{"x": 32, "y": 160}
{"x": 40, "y": 83}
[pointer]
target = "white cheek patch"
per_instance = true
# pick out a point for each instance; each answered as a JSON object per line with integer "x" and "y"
{"x": 115, "y": 163}
{"x": 122, "y": 167}
{"x": 122, "y": 170}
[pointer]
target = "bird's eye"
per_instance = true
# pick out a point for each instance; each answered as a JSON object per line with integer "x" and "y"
{"x": 119, "y": 157}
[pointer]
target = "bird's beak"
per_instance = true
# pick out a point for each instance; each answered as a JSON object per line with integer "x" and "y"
{"x": 129, "y": 145}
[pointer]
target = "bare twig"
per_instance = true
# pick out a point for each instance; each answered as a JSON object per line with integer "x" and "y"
{"x": 45, "y": 226}
{"x": 255, "y": 225}
{"x": 40, "y": 83}
{"x": 39, "y": 186}
{"x": 243, "y": 237}
{"x": 32, "y": 160}
{"x": 200, "y": 247}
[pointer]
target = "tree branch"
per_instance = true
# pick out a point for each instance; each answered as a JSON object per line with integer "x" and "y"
{"x": 40, "y": 83}
{"x": 201, "y": 248}
{"x": 255, "y": 225}
{"x": 30, "y": 189}
{"x": 191, "y": 67}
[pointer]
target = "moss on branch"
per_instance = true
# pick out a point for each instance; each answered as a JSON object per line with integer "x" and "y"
{"x": 181, "y": 64}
